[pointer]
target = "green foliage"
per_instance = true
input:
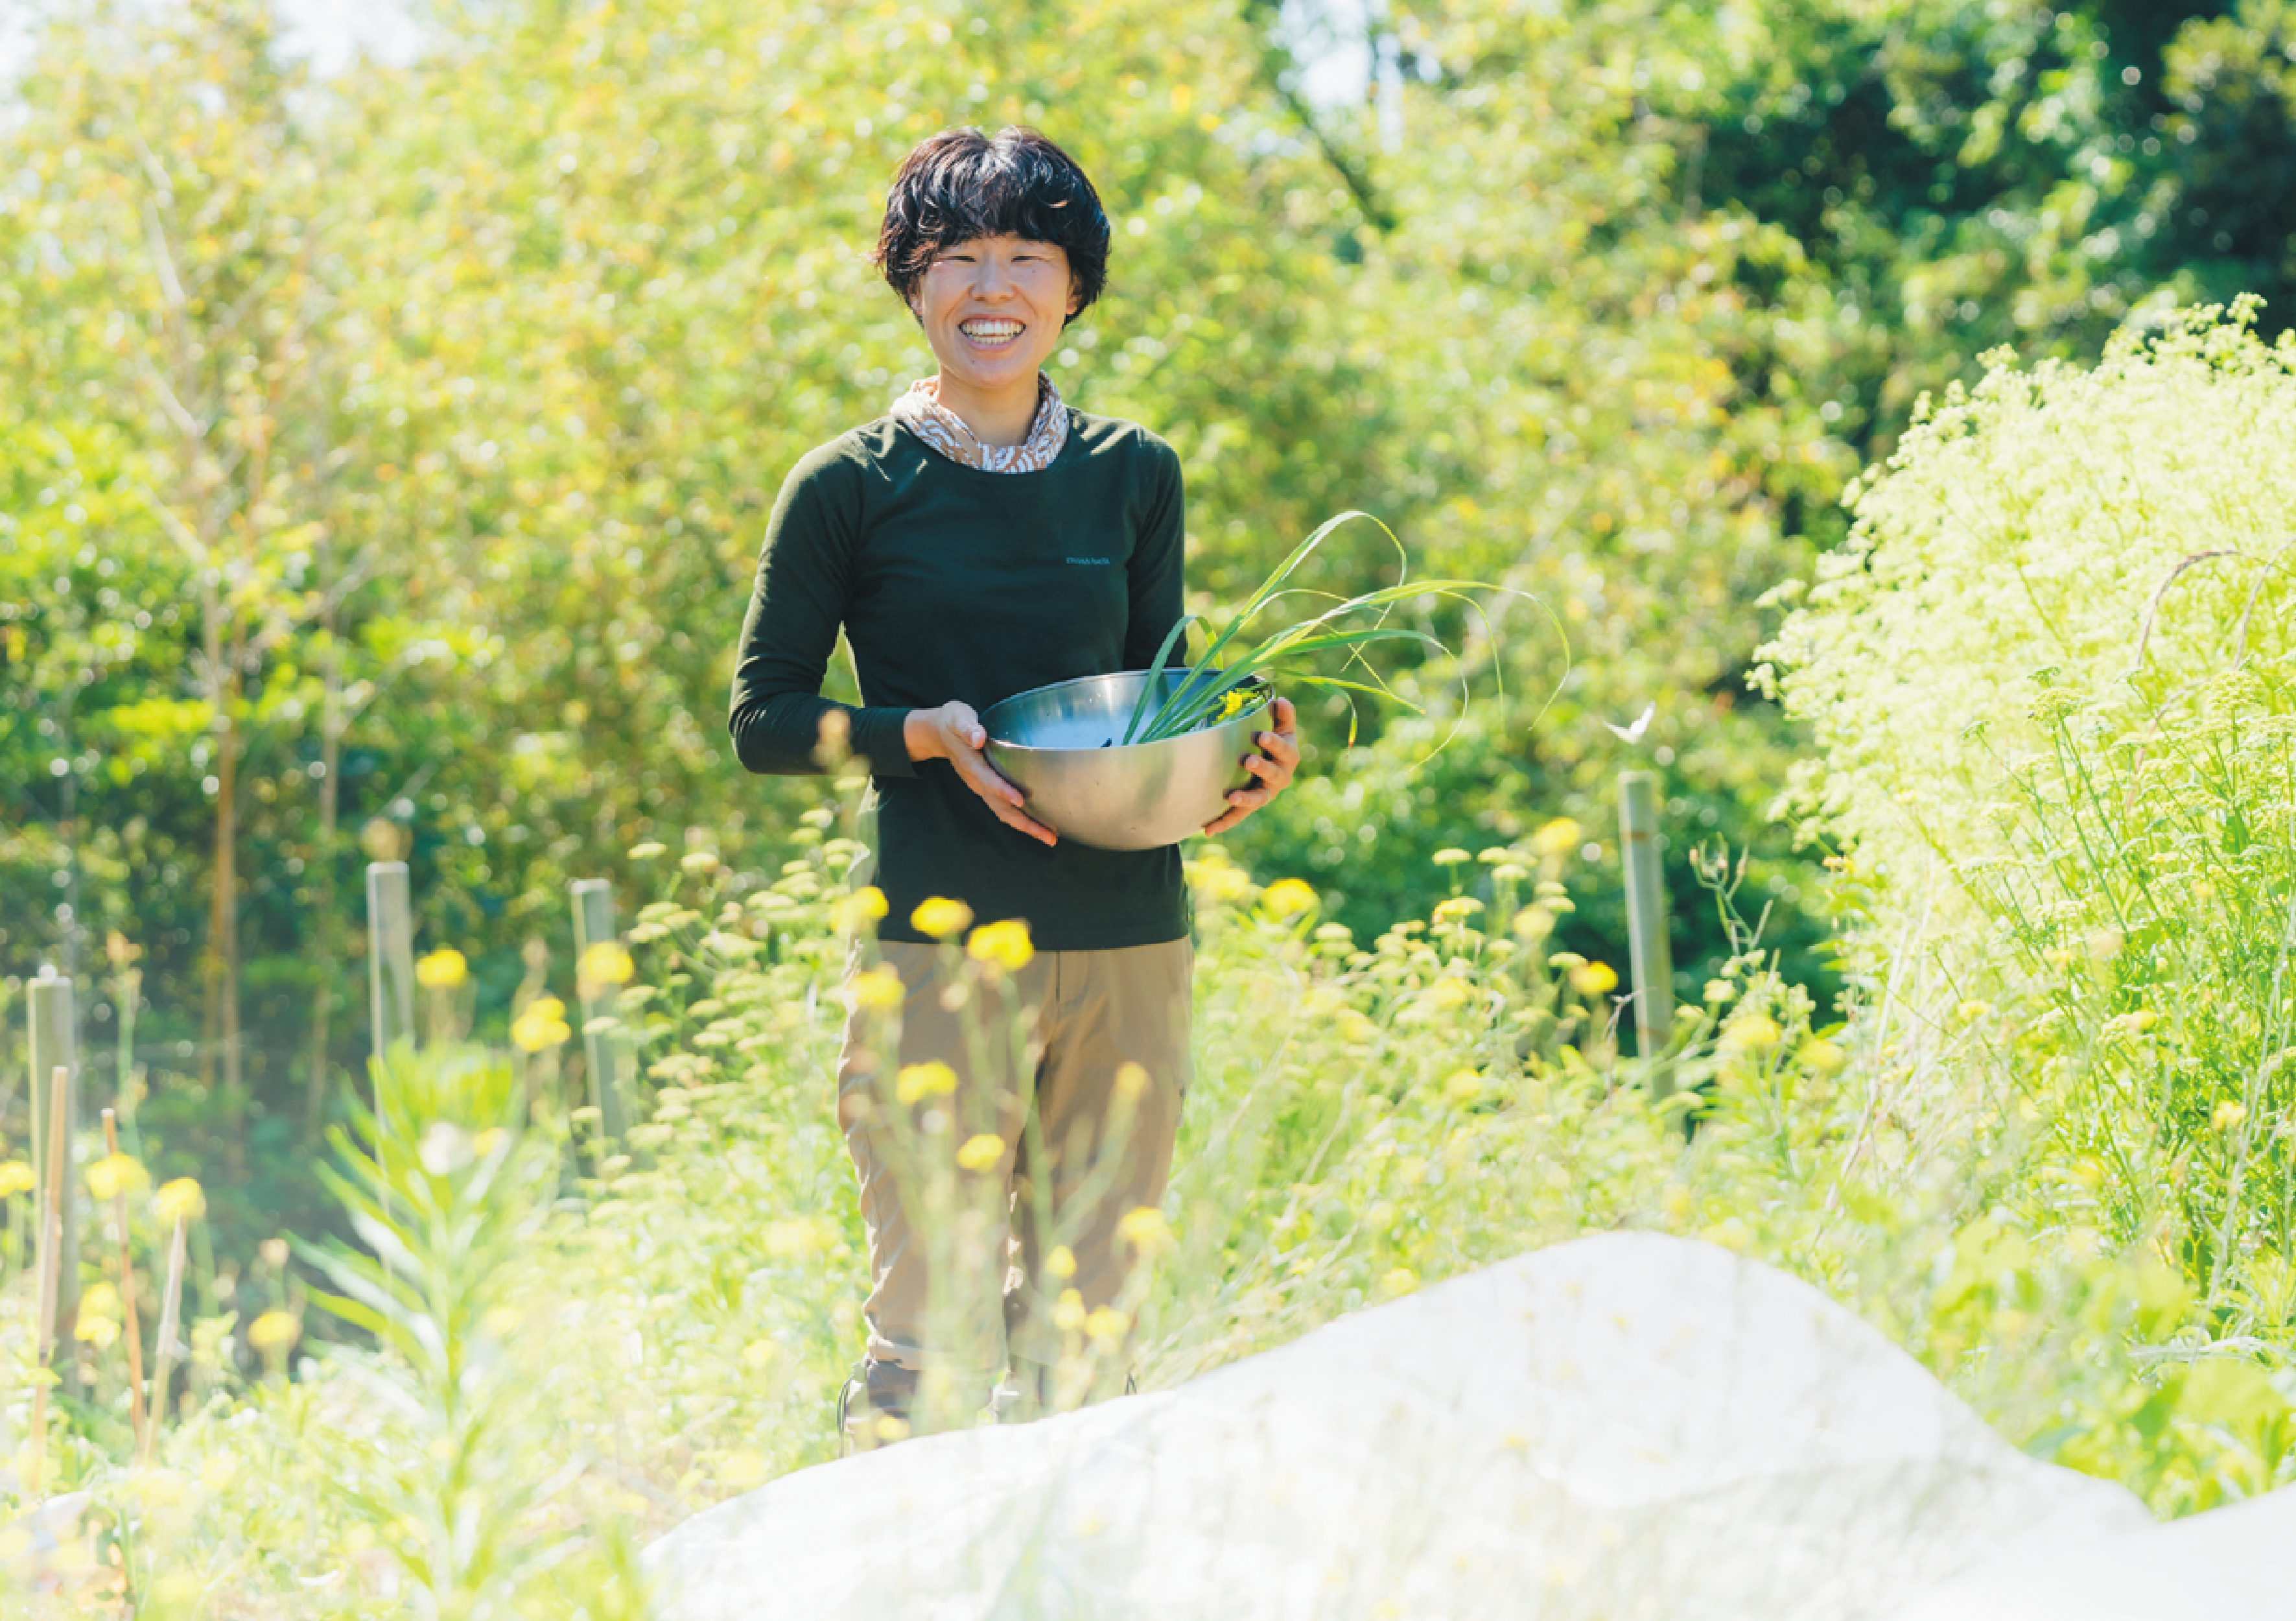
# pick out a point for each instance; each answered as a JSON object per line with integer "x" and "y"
{"x": 2049, "y": 677}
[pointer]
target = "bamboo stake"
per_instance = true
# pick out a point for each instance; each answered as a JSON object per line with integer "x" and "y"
{"x": 51, "y": 1238}
{"x": 134, "y": 1329}
{"x": 1646, "y": 943}
{"x": 163, "y": 1349}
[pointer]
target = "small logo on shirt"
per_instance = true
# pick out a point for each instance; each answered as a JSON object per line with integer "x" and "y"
{"x": 1094, "y": 563}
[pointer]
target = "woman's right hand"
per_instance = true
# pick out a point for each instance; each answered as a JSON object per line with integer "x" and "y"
{"x": 954, "y": 733}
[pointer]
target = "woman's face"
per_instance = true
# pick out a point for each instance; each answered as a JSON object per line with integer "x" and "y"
{"x": 992, "y": 308}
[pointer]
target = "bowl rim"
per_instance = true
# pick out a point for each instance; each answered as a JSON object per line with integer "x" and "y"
{"x": 1258, "y": 685}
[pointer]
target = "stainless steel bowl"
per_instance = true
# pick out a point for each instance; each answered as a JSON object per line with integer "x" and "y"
{"x": 1059, "y": 745}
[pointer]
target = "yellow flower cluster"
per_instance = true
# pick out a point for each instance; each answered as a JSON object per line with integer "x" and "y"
{"x": 1145, "y": 1229}
{"x": 115, "y": 1174}
{"x": 858, "y": 910}
{"x": 1593, "y": 979}
{"x": 273, "y": 1331}
{"x": 980, "y": 1153}
{"x": 877, "y": 991}
{"x": 918, "y": 1081}
{"x": 939, "y": 917}
{"x": 442, "y": 970}
{"x": 16, "y": 1177}
{"x": 541, "y": 1023}
{"x": 1557, "y": 838}
{"x": 181, "y": 1200}
{"x": 602, "y": 967}
{"x": 1003, "y": 945}
{"x": 1289, "y": 897}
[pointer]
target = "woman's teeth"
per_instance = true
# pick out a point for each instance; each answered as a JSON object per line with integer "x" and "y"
{"x": 990, "y": 332}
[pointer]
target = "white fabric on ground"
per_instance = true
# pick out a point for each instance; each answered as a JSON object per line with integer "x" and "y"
{"x": 2232, "y": 1562}
{"x": 1621, "y": 1427}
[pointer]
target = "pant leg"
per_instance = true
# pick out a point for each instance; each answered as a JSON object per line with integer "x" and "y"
{"x": 936, "y": 1229}
{"x": 1110, "y": 1086}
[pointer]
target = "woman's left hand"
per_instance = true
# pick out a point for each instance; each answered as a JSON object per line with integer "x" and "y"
{"x": 1278, "y": 759}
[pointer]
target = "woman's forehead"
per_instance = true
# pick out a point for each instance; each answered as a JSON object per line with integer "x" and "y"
{"x": 1006, "y": 240}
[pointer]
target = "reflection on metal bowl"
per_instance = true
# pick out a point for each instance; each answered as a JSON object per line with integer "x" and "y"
{"x": 1060, "y": 745}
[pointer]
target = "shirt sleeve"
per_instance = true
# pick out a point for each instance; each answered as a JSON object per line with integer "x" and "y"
{"x": 804, "y": 586}
{"x": 1159, "y": 567}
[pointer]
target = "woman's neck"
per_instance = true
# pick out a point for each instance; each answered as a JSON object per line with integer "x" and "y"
{"x": 999, "y": 420}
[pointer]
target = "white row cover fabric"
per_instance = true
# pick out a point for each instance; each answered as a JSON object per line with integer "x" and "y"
{"x": 1627, "y": 1427}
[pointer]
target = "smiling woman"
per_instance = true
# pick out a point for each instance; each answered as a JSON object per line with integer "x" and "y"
{"x": 979, "y": 540}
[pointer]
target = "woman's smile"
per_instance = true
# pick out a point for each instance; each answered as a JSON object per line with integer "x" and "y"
{"x": 991, "y": 331}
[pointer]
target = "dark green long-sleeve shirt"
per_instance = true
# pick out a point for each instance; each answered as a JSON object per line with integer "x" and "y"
{"x": 953, "y": 583}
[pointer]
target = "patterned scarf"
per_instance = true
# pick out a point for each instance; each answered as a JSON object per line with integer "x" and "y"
{"x": 920, "y": 411}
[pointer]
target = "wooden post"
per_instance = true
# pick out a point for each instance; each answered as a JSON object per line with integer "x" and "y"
{"x": 594, "y": 924}
{"x": 1651, "y": 959}
{"x": 128, "y": 1325}
{"x": 163, "y": 1347}
{"x": 51, "y": 1267}
{"x": 54, "y": 1031}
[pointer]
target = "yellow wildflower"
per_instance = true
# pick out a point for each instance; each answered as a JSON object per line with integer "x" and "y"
{"x": 1289, "y": 897}
{"x": 442, "y": 970}
{"x": 16, "y": 1177}
{"x": 980, "y": 1153}
{"x": 1593, "y": 979}
{"x": 115, "y": 1174}
{"x": 97, "y": 1332}
{"x": 1972, "y": 1010}
{"x": 1820, "y": 1057}
{"x": 918, "y": 1081}
{"x": 1004, "y": 945}
{"x": 604, "y": 965}
{"x": 1750, "y": 1033}
{"x": 1107, "y": 1326}
{"x": 181, "y": 1200}
{"x": 273, "y": 1331}
{"x": 1145, "y": 1229}
{"x": 1067, "y": 1312}
{"x": 2129, "y": 1026}
{"x": 1533, "y": 924}
{"x": 1060, "y": 1262}
{"x": 1458, "y": 908}
{"x": 1559, "y": 837}
{"x": 2229, "y": 1116}
{"x": 941, "y": 917}
{"x": 541, "y": 1023}
{"x": 648, "y": 851}
{"x": 858, "y": 910}
{"x": 1401, "y": 1281}
{"x": 878, "y": 991}
{"x": 99, "y": 1300}
{"x": 1451, "y": 855}
{"x": 700, "y": 863}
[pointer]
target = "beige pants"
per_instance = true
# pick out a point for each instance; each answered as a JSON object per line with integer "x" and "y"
{"x": 1042, "y": 1059}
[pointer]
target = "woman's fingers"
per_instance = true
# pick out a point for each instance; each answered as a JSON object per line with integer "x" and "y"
{"x": 1273, "y": 766}
{"x": 999, "y": 795}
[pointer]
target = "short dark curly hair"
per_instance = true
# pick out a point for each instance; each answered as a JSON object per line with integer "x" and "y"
{"x": 961, "y": 185}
